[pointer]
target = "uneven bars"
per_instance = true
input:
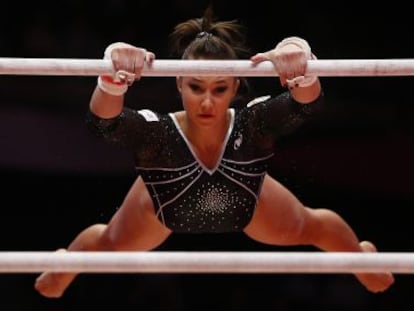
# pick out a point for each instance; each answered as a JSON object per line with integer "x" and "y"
{"x": 205, "y": 262}
{"x": 167, "y": 68}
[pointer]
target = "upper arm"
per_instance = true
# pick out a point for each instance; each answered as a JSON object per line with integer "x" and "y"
{"x": 283, "y": 115}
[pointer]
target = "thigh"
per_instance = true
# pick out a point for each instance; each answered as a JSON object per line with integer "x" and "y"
{"x": 135, "y": 225}
{"x": 279, "y": 216}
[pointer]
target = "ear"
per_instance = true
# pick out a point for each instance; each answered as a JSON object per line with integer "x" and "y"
{"x": 179, "y": 81}
{"x": 236, "y": 86}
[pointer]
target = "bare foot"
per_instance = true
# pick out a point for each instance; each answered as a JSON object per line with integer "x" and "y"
{"x": 374, "y": 282}
{"x": 52, "y": 284}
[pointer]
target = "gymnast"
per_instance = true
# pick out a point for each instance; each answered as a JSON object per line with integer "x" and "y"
{"x": 204, "y": 169}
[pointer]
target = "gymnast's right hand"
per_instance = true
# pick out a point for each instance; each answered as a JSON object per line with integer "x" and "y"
{"x": 128, "y": 62}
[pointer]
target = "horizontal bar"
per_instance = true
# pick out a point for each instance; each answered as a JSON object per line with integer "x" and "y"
{"x": 205, "y": 262}
{"x": 168, "y": 68}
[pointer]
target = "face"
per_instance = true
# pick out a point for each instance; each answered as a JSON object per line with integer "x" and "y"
{"x": 207, "y": 99}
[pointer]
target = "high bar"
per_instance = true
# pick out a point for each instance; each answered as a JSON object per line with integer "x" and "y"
{"x": 205, "y": 262}
{"x": 168, "y": 68}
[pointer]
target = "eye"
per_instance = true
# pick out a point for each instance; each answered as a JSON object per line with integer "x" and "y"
{"x": 221, "y": 89}
{"x": 195, "y": 88}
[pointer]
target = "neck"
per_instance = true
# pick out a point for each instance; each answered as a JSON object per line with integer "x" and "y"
{"x": 204, "y": 138}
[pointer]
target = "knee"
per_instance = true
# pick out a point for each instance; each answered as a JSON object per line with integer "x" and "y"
{"x": 106, "y": 240}
{"x": 97, "y": 229}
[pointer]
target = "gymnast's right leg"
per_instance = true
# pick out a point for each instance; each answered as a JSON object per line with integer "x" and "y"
{"x": 134, "y": 227}
{"x": 281, "y": 219}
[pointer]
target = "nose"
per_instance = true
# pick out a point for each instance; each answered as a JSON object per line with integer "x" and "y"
{"x": 207, "y": 101}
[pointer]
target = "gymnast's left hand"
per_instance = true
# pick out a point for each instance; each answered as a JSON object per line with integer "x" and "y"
{"x": 289, "y": 58}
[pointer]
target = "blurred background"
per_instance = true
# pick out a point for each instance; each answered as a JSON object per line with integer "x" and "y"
{"x": 57, "y": 179}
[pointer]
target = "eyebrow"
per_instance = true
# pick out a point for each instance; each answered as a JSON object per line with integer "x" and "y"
{"x": 222, "y": 80}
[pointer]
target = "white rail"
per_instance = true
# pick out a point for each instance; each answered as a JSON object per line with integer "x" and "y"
{"x": 205, "y": 262}
{"x": 166, "y": 68}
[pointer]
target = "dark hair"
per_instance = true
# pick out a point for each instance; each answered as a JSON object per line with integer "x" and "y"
{"x": 206, "y": 38}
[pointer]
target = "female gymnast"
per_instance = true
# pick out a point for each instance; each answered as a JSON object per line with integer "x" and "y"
{"x": 204, "y": 169}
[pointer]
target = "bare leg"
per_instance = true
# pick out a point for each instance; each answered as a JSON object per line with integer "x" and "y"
{"x": 133, "y": 227}
{"x": 51, "y": 284}
{"x": 281, "y": 219}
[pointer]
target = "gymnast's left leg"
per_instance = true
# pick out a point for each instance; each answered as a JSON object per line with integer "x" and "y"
{"x": 134, "y": 227}
{"x": 281, "y": 219}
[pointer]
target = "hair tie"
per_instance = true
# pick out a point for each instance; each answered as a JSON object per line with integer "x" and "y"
{"x": 203, "y": 34}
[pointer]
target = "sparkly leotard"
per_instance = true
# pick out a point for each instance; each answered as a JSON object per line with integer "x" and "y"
{"x": 188, "y": 196}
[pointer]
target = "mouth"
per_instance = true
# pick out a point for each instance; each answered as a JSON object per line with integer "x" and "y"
{"x": 206, "y": 116}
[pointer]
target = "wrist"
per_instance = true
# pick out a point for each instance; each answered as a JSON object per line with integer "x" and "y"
{"x": 109, "y": 86}
{"x": 112, "y": 84}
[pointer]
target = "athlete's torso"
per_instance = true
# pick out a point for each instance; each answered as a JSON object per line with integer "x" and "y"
{"x": 187, "y": 195}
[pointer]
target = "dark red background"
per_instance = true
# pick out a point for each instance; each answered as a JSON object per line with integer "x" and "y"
{"x": 57, "y": 179}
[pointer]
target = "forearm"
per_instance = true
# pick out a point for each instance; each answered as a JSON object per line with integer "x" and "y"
{"x": 105, "y": 105}
{"x": 308, "y": 94}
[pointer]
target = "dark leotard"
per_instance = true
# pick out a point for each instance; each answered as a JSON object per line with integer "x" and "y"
{"x": 188, "y": 196}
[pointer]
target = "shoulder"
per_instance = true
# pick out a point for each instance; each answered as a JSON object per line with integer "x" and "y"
{"x": 148, "y": 115}
{"x": 144, "y": 117}
{"x": 257, "y": 100}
